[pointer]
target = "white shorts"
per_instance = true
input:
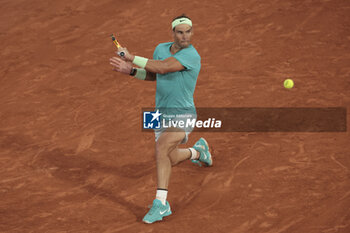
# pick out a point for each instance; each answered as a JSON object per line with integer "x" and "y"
{"x": 159, "y": 132}
{"x": 187, "y": 129}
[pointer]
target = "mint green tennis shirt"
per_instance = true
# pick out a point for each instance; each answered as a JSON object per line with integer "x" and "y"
{"x": 175, "y": 90}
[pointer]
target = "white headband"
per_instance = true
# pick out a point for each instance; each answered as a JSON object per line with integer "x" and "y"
{"x": 181, "y": 21}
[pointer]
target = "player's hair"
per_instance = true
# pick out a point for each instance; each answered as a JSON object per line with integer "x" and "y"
{"x": 179, "y": 17}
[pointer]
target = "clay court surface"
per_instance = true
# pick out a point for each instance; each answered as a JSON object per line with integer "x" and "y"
{"x": 72, "y": 154}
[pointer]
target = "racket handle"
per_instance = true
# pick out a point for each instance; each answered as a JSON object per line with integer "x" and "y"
{"x": 122, "y": 54}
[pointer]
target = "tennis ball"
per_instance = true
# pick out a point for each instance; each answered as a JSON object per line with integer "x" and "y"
{"x": 288, "y": 83}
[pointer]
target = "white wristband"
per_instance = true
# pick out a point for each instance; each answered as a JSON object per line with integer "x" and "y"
{"x": 140, "y": 74}
{"x": 140, "y": 61}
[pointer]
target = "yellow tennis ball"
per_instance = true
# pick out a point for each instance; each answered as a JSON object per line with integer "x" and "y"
{"x": 288, "y": 83}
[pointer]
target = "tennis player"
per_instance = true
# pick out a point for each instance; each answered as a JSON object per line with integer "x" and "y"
{"x": 175, "y": 66}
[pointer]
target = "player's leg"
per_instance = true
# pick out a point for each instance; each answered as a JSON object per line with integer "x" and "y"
{"x": 198, "y": 154}
{"x": 167, "y": 141}
{"x": 178, "y": 155}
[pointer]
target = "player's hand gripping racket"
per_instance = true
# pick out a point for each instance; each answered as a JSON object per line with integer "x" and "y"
{"x": 117, "y": 45}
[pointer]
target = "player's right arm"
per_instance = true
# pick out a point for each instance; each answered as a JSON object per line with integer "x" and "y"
{"x": 168, "y": 65}
{"x": 125, "y": 67}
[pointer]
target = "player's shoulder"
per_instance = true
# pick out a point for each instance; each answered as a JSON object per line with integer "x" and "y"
{"x": 192, "y": 51}
{"x": 160, "y": 49}
{"x": 163, "y": 45}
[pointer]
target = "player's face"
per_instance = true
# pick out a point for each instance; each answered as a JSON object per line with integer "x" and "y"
{"x": 182, "y": 35}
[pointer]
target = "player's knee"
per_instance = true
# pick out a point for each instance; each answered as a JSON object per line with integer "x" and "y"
{"x": 173, "y": 162}
{"x": 162, "y": 149}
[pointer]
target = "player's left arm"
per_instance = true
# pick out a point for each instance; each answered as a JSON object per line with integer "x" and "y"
{"x": 168, "y": 65}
